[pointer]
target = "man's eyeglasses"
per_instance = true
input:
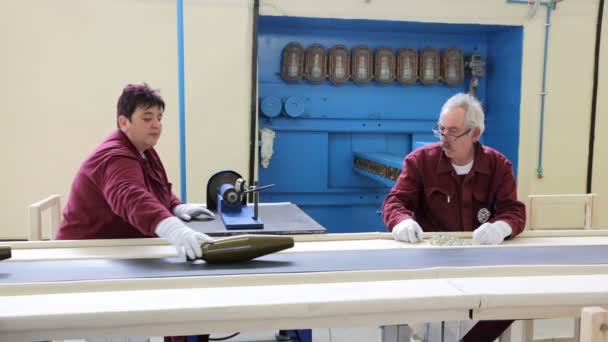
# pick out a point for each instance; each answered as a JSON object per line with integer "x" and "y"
{"x": 449, "y": 137}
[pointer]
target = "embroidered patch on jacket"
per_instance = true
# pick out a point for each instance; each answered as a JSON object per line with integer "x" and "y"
{"x": 483, "y": 215}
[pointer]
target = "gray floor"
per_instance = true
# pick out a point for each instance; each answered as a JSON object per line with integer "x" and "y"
{"x": 542, "y": 329}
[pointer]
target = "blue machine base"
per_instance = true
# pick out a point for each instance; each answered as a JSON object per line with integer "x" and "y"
{"x": 241, "y": 220}
{"x": 301, "y": 335}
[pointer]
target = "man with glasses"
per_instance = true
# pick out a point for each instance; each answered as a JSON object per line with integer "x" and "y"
{"x": 457, "y": 184}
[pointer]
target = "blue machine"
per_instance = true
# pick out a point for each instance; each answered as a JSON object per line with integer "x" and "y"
{"x": 227, "y": 194}
{"x": 326, "y": 131}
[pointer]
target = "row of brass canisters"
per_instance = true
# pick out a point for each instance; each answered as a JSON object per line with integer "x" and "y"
{"x": 362, "y": 65}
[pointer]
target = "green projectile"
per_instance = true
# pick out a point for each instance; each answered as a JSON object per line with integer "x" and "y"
{"x": 5, "y": 252}
{"x": 241, "y": 248}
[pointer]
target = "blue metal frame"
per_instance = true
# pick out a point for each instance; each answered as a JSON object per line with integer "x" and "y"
{"x": 504, "y": 92}
{"x": 312, "y": 164}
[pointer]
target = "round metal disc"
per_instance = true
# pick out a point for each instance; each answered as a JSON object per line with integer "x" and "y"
{"x": 214, "y": 183}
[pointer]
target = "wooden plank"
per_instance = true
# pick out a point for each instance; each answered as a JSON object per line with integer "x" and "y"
{"x": 562, "y": 211}
{"x": 594, "y": 325}
{"x": 197, "y": 310}
{"x": 535, "y": 297}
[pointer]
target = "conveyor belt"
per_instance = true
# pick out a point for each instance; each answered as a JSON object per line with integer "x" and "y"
{"x": 414, "y": 258}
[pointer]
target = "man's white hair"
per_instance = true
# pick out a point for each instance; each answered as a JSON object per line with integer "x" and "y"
{"x": 474, "y": 117}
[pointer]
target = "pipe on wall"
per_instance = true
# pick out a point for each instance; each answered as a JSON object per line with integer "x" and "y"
{"x": 254, "y": 92}
{"x": 551, "y": 5}
{"x": 596, "y": 66}
{"x": 182, "y": 99}
{"x": 598, "y": 35}
{"x": 543, "y": 94}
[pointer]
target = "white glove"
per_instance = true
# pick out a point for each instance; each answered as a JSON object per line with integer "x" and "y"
{"x": 418, "y": 331}
{"x": 182, "y": 237}
{"x": 492, "y": 233}
{"x": 189, "y": 211}
{"x": 408, "y": 230}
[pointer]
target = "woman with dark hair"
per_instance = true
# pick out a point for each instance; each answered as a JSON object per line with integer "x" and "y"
{"x": 121, "y": 190}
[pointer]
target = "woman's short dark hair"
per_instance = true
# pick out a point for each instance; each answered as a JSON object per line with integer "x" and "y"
{"x": 135, "y": 95}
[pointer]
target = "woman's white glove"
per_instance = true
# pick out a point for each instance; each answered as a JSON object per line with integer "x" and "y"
{"x": 182, "y": 237}
{"x": 187, "y": 212}
{"x": 408, "y": 230}
{"x": 492, "y": 233}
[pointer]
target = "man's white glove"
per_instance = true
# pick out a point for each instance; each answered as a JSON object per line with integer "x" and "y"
{"x": 492, "y": 233}
{"x": 408, "y": 230}
{"x": 418, "y": 331}
{"x": 187, "y": 212}
{"x": 183, "y": 238}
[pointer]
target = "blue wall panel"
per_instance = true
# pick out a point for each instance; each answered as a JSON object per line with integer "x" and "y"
{"x": 504, "y": 92}
{"x": 313, "y": 161}
{"x": 340, "y": 146}
{"x": 299, "y": 163}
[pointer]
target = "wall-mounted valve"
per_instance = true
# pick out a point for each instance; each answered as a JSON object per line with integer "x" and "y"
{"x": 477, "y": 67}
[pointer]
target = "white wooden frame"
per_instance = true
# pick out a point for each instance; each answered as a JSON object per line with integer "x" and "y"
{"x": 590, "y": 204}
{"x": 35, "y": 232}
{"x": 590, "y": 201}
